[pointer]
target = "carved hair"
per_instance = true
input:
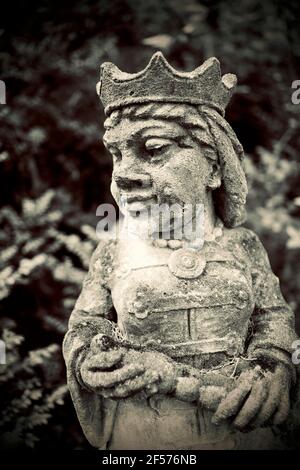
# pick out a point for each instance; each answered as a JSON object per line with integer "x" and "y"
{"x": 230, "y": 198}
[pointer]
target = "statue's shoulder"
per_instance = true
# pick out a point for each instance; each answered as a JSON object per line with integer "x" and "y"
{"x": 248, "y": 240}
{"x": 104, "y": 253}
{"x": 242, "y": 235}
{"x": 105, "y": 247}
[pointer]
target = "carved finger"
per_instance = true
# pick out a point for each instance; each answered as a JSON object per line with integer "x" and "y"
{"x": 104, "y": 360}
{"x": 99, "y": 380}
{"x": 132, "y": 386}
{"x": 211, "y": 396}
{"x": 252, "y": 404}
{"x": 187, "y": 389}
{"x": 270, "y": 404}
{"x": 282, "y": 413}
{"x": 233, "y": 401}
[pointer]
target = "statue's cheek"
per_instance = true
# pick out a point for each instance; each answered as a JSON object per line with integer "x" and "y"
{"x": 175, "y": 189}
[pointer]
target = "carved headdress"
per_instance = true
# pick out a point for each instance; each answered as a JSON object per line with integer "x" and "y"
{"x": 159, "y": 82}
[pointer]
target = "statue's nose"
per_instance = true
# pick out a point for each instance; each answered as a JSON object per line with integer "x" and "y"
{"x": 132, "y": 180}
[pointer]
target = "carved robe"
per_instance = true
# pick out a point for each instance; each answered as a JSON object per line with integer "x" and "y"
{"x": 232, "y": 309}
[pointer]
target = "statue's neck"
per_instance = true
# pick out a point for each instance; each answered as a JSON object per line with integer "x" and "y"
{"x": 199, "y": 227}
{"x": 209, "y": 215}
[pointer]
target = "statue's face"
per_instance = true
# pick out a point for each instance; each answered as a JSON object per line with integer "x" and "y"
{"x": 156, "y": 161}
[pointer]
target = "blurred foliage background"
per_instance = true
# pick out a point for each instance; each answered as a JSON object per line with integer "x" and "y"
{"x": 54, "y": 170}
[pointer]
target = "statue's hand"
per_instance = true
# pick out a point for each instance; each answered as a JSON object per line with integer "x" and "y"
{"x": 260, "y": 397}
{"x": 158, "y": 375}
{"x": 163, "y": 367}
{"x": 109, "y": 373}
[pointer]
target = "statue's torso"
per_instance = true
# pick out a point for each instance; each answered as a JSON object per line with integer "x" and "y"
{"x": 205, "y": 314}
{"x": 187, "y": 316}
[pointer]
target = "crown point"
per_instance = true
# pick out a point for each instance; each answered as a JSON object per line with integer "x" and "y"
{"x": 158, "y": 57}
{"x": 157, "y": 54}
{"x": 229, "y": 80}
{"x": 210, "y": 64}
{"x": 109, "y": 67}
{"x": 215, "y": 64}
{"x": 212, "y": 61}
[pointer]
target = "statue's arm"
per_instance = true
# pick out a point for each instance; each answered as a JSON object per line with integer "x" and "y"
{"x": 272, "y": 327}
{"x": 265, "y": 399}
{"x": 104, "y": 372}
{"x": 93, "y": 312}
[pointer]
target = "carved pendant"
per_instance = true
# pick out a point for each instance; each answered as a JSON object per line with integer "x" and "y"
{"x": 186, "y": 263}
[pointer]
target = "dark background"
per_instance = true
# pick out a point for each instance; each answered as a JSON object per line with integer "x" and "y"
{"x": 54, "y": 170}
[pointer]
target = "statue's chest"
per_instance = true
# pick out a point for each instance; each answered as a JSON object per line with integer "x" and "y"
{"x": 171, "y": 295}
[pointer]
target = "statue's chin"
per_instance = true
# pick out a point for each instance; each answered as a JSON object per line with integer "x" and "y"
{"x": 138, "y": 226}
{"x": 147, "y": 228}
{"x": 146, "y": 219}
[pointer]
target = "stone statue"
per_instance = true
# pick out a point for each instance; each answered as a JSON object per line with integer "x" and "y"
{"x": 178, "y": 342}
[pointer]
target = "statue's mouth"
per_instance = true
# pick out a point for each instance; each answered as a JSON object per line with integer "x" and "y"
{"x": 140, "y": 201}
{"x": 139, "y": 205}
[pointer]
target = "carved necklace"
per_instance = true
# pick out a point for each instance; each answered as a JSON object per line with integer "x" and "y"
{"x": 187, "y": 261}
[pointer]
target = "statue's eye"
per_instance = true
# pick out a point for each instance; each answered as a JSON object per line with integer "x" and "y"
{"x": 155, "y": 147}
{"x": 154, "y": 151}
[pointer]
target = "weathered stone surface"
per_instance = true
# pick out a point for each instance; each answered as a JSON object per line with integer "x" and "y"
{"x": 176, "y": 344}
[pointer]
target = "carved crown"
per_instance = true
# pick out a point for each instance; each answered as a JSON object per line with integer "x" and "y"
{"x": 159, "y": 81}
